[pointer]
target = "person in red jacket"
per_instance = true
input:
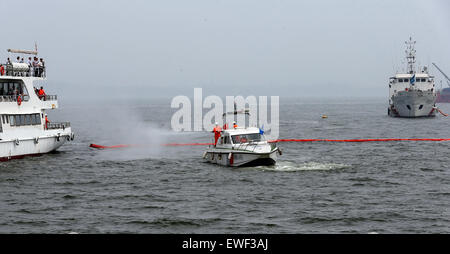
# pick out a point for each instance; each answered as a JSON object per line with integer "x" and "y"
{"x": 41, "y": 93}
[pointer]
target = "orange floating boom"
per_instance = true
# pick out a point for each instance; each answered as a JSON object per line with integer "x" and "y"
{"x": 360, "y": 140}
{"x": 131, "y": 145}
{"x": 289, "y": 140}
{"x": 104, "y": 147}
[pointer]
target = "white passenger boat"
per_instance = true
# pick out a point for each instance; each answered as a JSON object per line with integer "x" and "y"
{"x": 242, "y": 146}
{"x": 23, "y": 126}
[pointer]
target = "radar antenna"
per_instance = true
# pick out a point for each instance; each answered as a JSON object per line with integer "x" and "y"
{"x": 410, "y": 54}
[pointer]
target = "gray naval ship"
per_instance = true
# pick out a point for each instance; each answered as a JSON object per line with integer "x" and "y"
{"x": 412, "y": 94}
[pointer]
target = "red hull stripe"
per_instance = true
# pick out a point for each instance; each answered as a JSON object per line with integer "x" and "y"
{"x": 18, "y": 156}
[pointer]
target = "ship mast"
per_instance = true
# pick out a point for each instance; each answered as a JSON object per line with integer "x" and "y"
{"x": 410, "y": 55}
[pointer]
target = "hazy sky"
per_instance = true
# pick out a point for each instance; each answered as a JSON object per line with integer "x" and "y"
{"x": 227, "y": 47}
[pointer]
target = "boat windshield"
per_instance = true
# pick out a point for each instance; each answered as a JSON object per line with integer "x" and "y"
{"x": 246, "y": 138}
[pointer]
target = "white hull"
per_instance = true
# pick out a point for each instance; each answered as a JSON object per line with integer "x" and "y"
{"x": 413, "y": 104}
{"x": 12, "y": 149}
{"x": 226, "y": 157}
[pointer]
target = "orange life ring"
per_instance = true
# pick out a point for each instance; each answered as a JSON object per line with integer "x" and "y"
{"x": 19, "y": 100}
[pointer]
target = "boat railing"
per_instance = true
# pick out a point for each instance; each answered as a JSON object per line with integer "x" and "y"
{"x": 53, "y": 126}
{"x": 29, "y": 71}
{"x": 48, "y": 97}
{"x": 13, "y": 98}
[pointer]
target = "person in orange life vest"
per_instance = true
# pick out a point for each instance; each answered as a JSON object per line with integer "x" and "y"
{"x": 2, "y": 70}
{"x": 46, "y": 122}
{"x": 234, "y": 125}
{"x": 217, "y": 130}
{"x": 41, "y": 93}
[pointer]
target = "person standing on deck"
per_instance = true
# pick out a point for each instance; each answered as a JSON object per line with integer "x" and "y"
{"x": 30, "y": 66}
{"x": 46, "y": 122}
{"x": 42, "y": 67}
{"x": 217, "y": 130}
{"x": 36, "y": 66}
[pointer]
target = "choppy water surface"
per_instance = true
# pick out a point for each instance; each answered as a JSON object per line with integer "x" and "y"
{"x": 395, "y": 187}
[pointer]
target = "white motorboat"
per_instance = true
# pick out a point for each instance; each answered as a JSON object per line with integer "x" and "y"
{"x": 242, "y": 146}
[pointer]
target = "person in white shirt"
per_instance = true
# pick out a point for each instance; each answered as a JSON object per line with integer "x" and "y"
{"x": 36, "y": 67}
{"x": 41, "y": 66}
{"x": 30, "y": 66}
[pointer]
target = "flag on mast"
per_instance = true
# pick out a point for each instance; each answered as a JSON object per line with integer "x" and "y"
{"x": 413, "y": 79}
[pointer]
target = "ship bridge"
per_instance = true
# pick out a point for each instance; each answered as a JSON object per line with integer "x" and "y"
{"x": 17, "y": 78}
{"x": 20, "y": 92}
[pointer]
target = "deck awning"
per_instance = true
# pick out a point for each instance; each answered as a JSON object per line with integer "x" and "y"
{"x": 19, "y": 51}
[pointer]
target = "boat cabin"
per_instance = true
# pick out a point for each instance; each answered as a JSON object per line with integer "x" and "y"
{"x": 239, "y": 136}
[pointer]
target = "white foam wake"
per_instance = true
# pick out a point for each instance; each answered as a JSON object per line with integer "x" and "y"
{"x": 288, "y": 166}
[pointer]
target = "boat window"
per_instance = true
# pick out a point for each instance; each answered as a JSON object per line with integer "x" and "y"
{"x": 19, "y": 120}
{"x": 405, "y": 80}
{"x": 33, "y": 119}
{"x": 27, "y": 119}
{"x": 13, "y": 88}
{"x": 400, "y": 80}
{"x": 246, "y": 138}
{"x": 227, "y": 140}
{"x": 38, "y": 119}
{"x": 424, "y": 80}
